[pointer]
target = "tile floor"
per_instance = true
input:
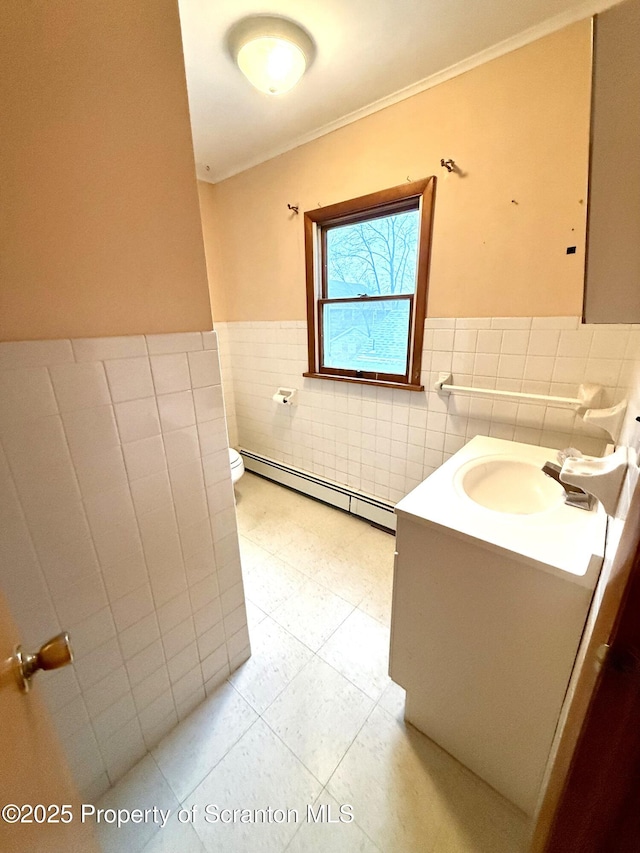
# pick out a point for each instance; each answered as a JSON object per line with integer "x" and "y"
{"x": 312, "y": 718}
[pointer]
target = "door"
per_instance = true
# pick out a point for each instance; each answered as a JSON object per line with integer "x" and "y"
{"x": 32, "y": 768}
{"x": 592, "y": 799}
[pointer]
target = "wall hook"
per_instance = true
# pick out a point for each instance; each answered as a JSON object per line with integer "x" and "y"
{"x": 449, "y": 164}
{"x": 294, "y": 208}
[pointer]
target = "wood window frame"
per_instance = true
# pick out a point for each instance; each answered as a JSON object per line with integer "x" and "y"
{"x": 410, "y": 196}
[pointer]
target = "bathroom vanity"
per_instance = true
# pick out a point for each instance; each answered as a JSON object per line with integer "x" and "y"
{"x": 493, "y": 581}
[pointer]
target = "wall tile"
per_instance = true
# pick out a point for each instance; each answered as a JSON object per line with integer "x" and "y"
{"x": 80, "y": 386}
{"x": 514, "y": 341}
{"x": 92, "y": 632}
{"x": 575, "y": 343}
{"x": 181, "y": 446}
{"x": 66, "y": 561}
{"x": 124, "y": 575}
{"x": 151, "y": 493}
{"x": 354, "y": 435}
{"x": 26, "y": 394}
{"x": 176, "y": 410}
{"x": 544, "y": 342}
{"x": 109, "y": 509}
{"x": 608, "y": 343}
{"x": 100, "y": 472}
{"x": 103, "y": 349}
{"x": 210, "y": 340}
{"x": 511, "y": 322}
{"x": 144, "y": 457}
{"x": 170, "y": 373}
{"x": 181, "y": 342}
{"x": 140, "y": 635}
{"x": 208, "y": 403}
{"x": 149, "y": 688}
{"x": 117, "y": 543}
{"x": 78, "y": 601}
{"x": 89, "y": 523}
{"x": 489, "y": 341}
{"x": 129, "y": 379}
{"x": 20, "y": 354}
{"x": 204, "y": 368}
{"x": 137, "y": 419}
{"x": 91, "y": 430}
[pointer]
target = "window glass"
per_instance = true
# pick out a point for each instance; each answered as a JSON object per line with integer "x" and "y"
{"x": 374, "y": 257}
{"x": 366, "y": 336}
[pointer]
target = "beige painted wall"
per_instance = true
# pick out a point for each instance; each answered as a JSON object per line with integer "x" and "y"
{"x": 518, "y": 127}
{"x": 99, "y": 220}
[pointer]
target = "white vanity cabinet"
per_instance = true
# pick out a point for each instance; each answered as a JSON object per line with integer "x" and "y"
{"x": 483, "y": 638}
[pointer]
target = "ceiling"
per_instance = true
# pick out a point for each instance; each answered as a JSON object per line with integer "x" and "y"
{"x": 369, "y": 53}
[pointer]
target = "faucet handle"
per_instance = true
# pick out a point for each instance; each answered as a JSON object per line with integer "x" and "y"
{"x": 552, "y": 470}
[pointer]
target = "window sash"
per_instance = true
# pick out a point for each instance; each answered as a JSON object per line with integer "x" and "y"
{"x": 403, "y": 206}
{"x": 366, "y": 374}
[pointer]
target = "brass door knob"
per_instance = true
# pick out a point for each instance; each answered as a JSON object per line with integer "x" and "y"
{"x": 55, "y": 653}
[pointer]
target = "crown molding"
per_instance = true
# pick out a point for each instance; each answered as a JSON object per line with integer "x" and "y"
{"x": 578, "y": 13}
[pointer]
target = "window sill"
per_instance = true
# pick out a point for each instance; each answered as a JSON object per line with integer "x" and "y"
{"x": 380, "y": 382}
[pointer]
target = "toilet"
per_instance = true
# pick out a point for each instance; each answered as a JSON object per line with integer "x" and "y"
{"x": 237, "y": 465}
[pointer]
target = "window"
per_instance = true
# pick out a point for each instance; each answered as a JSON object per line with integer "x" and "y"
{"x": 367, "y": 264}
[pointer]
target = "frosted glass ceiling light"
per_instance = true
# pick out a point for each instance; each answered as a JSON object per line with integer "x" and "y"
{"x": 273, "y": 53}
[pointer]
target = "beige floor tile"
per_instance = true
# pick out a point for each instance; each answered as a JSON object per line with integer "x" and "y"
{"x": 258, "y": 773}
{"x": 306, "y": 552}
{"x": 374, "y": 549}
{"x": 273, "y": 535}
{"x": 359, "y": 649}
{"x": 377, "y": 602}
{"x": 276, "y": 659}
{"x": 408, "y": 796}
{"x": 254, "y": 614}
{"x": 345, "y": 576}
{"x": 270, "y": 582}
{"x": 312, "y": 614}
{"x": 176, "y": 837}
{"x": 479, "y": 820}
{"x": 252, "y": 505}
{"x": 249, "y": 516}
{"x": 318, "y": 715}
{"x": 393, "y": 699}
{"x": 330, "y": 837}
{"x": 397, "y": 782}
{"x": 143, "y": 787}
{"x": 193, "y": 749}
{"x": 250, "y": 553}
{"x": 336, "y": 526}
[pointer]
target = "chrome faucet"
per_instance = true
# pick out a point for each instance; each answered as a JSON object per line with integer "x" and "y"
{"x": 573, "y": 495}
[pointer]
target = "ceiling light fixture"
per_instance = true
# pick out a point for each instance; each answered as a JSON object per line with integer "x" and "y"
{"x": 273, "y": 53}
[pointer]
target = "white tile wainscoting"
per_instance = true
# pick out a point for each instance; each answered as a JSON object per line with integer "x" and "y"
{"x": 384, "y": 442}
{"x": 118, "y": 524}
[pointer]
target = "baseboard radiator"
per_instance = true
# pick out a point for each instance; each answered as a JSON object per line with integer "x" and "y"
{"x": 372, "y": 509}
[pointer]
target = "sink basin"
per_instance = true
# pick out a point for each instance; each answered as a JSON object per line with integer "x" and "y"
{"x": 492, "y": 492}
{"x": 507, "y": 485}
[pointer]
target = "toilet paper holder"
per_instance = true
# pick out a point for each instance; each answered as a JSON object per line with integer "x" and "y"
{"x": 285, "y": 396}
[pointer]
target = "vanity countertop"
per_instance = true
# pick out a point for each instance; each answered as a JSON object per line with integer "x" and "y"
{"x": 562, "y": 540}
